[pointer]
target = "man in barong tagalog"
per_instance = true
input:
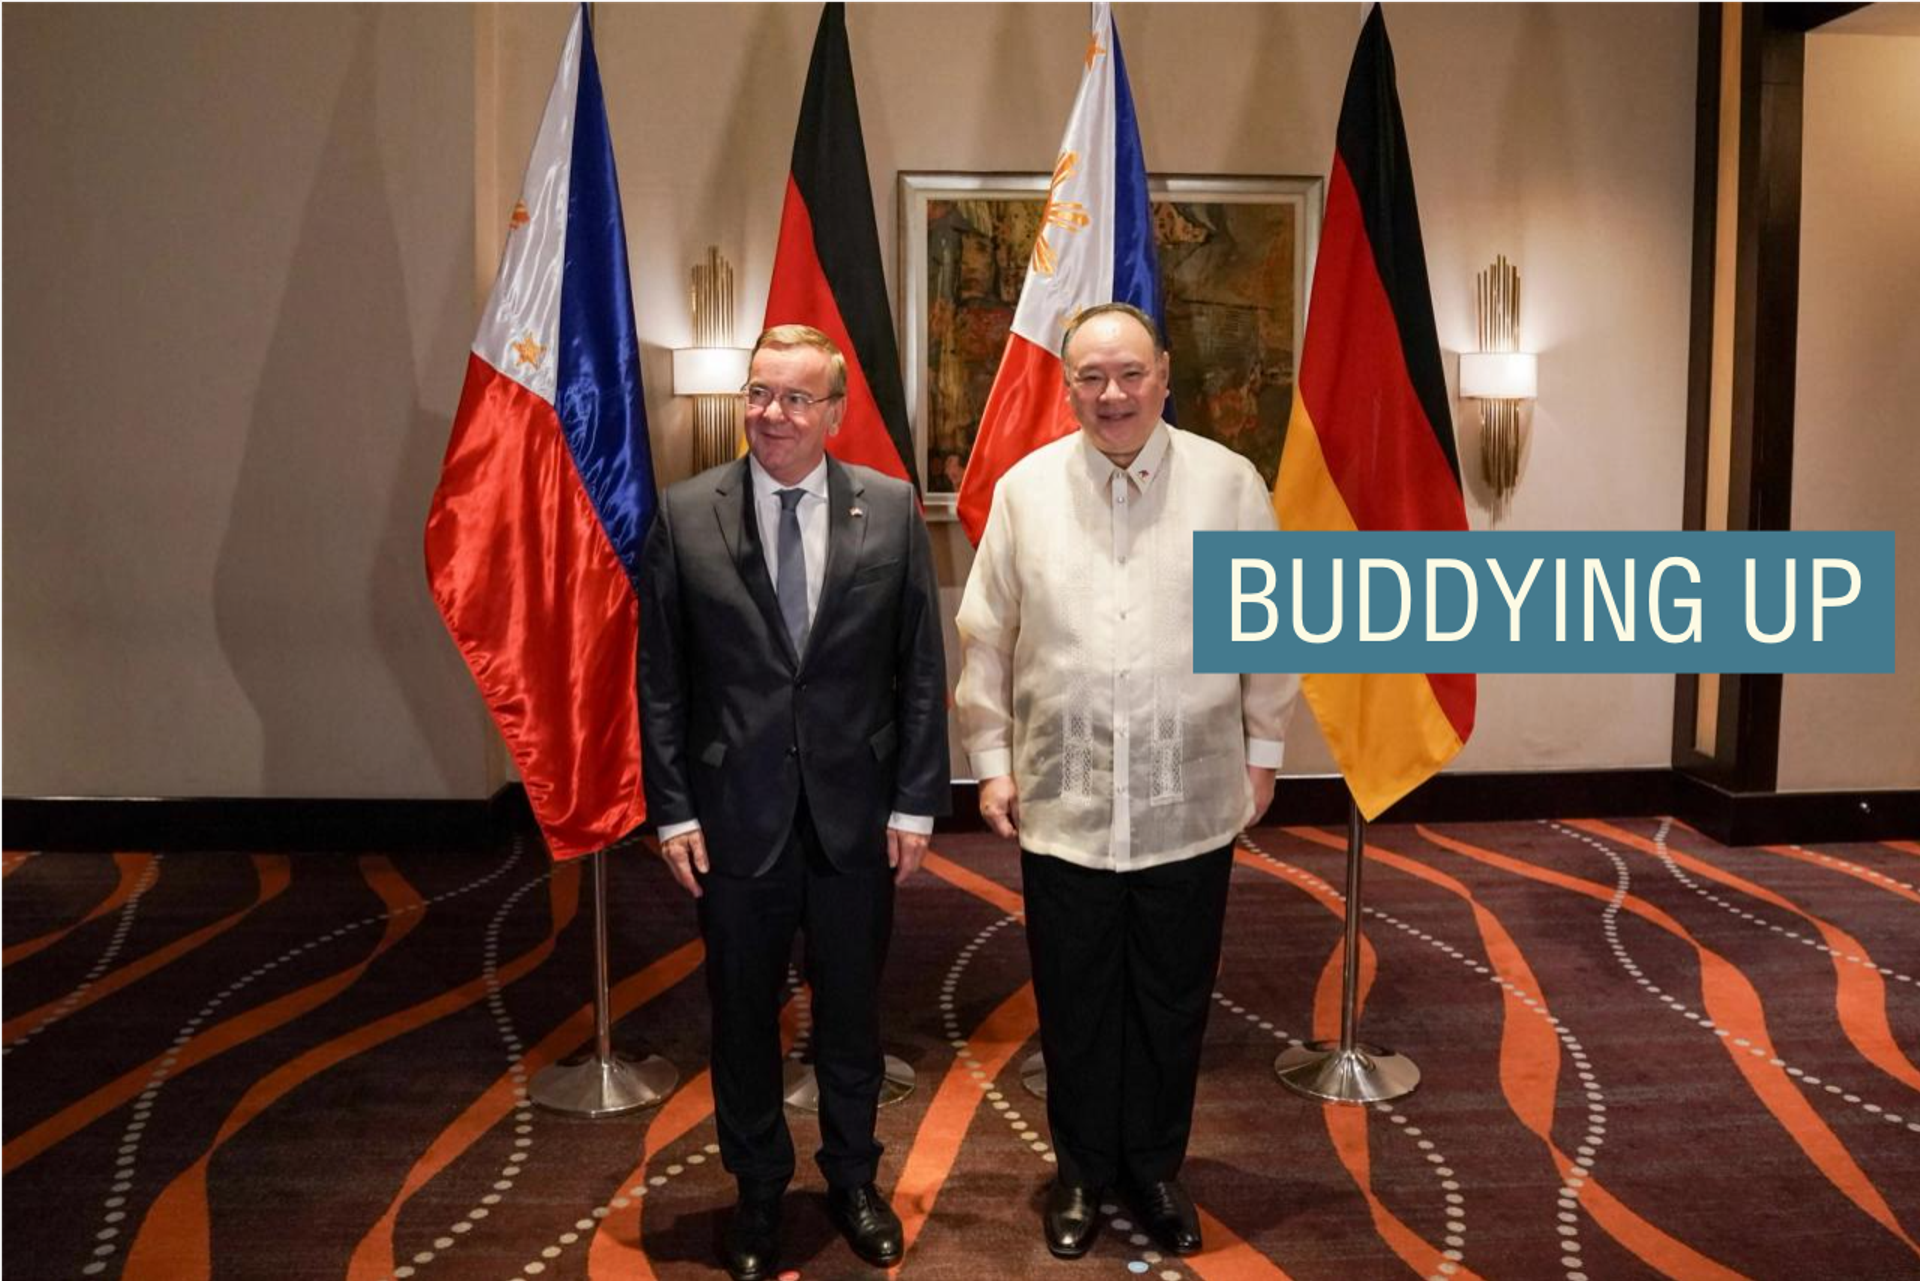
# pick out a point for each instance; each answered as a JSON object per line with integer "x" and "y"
{"x": 1124, "y": 774}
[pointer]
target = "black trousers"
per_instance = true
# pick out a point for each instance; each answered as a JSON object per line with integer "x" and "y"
{"x": 748, "y": 923}
{"x": 1123, "y": 972}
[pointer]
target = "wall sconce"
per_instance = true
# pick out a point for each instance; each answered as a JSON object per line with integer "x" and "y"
{"x": 713, "y": 371}
{"x": 1500, "y": 376}
{"x": 709, "y": 371}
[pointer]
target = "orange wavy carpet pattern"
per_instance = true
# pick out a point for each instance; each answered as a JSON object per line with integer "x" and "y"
{"x": 1642, "y": 1054}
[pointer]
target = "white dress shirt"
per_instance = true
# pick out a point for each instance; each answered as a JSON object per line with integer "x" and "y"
{"x": 812, "y": 514}
{"x": 1076, "y": 629}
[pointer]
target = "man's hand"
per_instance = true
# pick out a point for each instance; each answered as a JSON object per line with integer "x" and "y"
{"x": 1261, "y": 780}
{"x": 683, "y": 854}
{"x": 1000, "y": 805}
{"x": 904, "y": 852}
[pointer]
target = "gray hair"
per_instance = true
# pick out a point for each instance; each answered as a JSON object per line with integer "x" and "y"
{"x": 1145, "y": 321}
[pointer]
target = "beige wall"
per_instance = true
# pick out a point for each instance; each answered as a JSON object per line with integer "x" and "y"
{"x": 237, "y": 289}
{"x": 240, "y": 280}
{"x": 1856, "y": 451}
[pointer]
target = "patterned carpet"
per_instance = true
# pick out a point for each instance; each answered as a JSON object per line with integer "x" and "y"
{"x": 1643, "y": 1054}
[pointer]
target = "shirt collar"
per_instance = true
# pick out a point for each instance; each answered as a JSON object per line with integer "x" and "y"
{"x": 1147, "y": 464}
{"x": 765, "y": 486}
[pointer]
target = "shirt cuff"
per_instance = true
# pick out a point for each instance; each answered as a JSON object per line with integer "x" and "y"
{"x": 1265, "y": 753}
{"x": 917, "y": 824}
{"x": 670, "y": 830}
{"x": 993, "y": 762}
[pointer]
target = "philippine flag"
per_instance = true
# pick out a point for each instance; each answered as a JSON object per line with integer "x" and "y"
{"x": 534, "y": 536}
{"x": 1095, "y": 245}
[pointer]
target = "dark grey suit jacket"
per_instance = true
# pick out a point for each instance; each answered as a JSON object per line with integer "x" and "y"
{"x": 735, "y": 722}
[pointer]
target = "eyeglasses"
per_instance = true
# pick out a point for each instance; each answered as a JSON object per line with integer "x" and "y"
{"x": 794, "y": 402}
{"x": 1091, "y": 382}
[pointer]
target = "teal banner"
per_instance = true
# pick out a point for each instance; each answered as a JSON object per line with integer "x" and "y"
{"x": 1543, "y": 602}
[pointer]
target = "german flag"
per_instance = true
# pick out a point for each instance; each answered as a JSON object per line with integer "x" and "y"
{"x": 826, "y": 269}
{"x": 1370, "y": 441}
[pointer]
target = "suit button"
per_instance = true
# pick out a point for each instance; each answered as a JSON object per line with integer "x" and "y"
{"x": 793, "y": 751}
{"x": 799, "y": 684}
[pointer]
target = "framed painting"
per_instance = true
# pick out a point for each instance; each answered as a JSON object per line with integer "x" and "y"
{"x": 1236, "y": 254}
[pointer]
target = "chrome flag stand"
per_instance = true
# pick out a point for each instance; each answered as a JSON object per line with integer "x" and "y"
{"x": 1033, "y": 1074}
{"x": 1348, "y": 1071}
{"x": 603, "y": 1082}
{"x": 802, "y": 1087}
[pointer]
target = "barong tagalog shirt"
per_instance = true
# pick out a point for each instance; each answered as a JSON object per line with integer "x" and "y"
{"x": 1076, "y": 629}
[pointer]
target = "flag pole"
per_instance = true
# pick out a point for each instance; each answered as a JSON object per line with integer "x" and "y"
{"x": 1348, "y": 1071}
{"x": 603, "y": 1082}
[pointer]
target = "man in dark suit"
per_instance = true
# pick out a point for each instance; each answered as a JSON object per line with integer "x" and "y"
{"x": 793, "y": 694}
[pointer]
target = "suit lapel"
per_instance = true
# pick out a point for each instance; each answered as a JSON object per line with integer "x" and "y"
{"x": 846, "y": 533}
{"x": 733, "y": 510}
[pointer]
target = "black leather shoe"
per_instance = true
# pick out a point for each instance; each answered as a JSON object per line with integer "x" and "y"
{"x": 1071, "y": 1220}
{"x": 751, "y": 1247}
{"x": 868, "y": 1223}
{"x": 1167, "y": 1213}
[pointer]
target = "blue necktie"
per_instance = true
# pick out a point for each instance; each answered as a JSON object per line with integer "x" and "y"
{"x": 790, "y": 584}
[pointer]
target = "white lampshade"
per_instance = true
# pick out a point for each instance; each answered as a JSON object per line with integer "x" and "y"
{"x": 1497, "y": 375}
{"x": 709, "y": 371}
